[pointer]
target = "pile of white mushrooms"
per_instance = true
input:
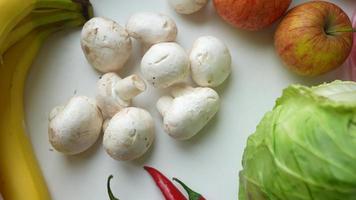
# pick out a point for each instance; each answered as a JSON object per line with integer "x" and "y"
{"x": 129, "y": 131}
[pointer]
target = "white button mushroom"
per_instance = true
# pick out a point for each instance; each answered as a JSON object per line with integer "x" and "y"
{"x": 189, "y": 111}
{"x": 165, "y": 64}
{"x": 75, "y": 127}
{"x": 106, "y": 44}
{"x": 151, "y": 28}
{"x": 187, "y": 6}
{"x": 114, "y": 93}
{"x": 129, "y": 134}
{"x": 210, "y": 61}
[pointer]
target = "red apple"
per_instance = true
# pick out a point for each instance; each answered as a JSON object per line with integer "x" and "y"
{"x": 314, "y": 38}
{"x": 251, "y": 14}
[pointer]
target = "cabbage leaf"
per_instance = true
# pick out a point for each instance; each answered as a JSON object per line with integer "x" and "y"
{"x": 305, "y": 148}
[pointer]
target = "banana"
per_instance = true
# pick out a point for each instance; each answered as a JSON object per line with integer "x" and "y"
{"x": 20, "y": 40}
{"x": 20, "y": 175}
{"x": 34, "y": 20}
{"x": 17, "y": 168}
{"x": 13, "y": 11}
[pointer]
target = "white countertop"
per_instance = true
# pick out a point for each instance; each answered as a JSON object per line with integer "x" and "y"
{"x": 209, "y": 162}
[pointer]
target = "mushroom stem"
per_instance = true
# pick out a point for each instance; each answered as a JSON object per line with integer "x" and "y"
{"x": 129, "y": 87}
{"x": 181, "y": 89}
{"x": 163, "y": 104}
{"x": 105, "y": 124}
{"x": 145, "y": 47}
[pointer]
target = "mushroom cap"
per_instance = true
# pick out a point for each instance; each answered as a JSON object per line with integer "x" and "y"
{"x": 210, "y": 61}
{"x": 108, "y": 101}
{"x": 187, "y": 6}
{"x": 165, "y": 64}
{"x": 190, "y": 112}
{"x": 76, "y": 126}
{"x": 151, "y": 28}
{"x": 106, "y": 44}
{"x": 129, "y": 134}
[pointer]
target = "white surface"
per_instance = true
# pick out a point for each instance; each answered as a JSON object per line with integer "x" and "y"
{"x": 209, "y": 162}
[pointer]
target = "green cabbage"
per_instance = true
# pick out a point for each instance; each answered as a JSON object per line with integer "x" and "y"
{"x": 305, "y": 148}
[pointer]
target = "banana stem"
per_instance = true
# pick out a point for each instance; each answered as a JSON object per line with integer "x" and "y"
{"x": 34, "y": 21}
{"x": 59, "y": 4}
{"x": 45, "y": 10}
{"x": 83, "y": 6}
{"x": 71, "y": 23}
{"x": 19, "y": 9}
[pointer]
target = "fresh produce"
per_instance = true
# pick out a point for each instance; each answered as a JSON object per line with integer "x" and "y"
{"x": 35, "y": 20}
{"x": 114, "y": 93}
{"x": 111, "y": 195}
{"x": 16, "y": 10}
{"x": 129, "y": 134}
{"x": 210, "y": 61}
{"x": 20, "y": 176}
{"x": 187, "y": 6}
{"x": 304, "y": 148}
{"x": 16, "y": 154}
{"x": 192, "y": 194}
{"x": 106, "y": 44}
{"x": 75, "y": 127}
{"x": 351, "y": 62}
{"x": 188, "y": 111}
{"x": 251, "y": 15}
{"x": 168, "y": 189}
{"x": 151, "y": 28}
{"x": 314, "y": 38}
{"x": 165, "y": 64}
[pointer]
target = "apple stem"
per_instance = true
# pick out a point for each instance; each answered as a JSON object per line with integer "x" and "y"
{"x": 341, "y": 31}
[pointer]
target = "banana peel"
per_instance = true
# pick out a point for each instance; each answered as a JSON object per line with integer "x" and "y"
{"x": 22, "y": 33}
{"x": 20, "y": 175}
{"x": 35, "y": 20}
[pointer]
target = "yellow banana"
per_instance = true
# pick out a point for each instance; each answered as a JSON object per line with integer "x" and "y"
{"x": 34, "y": 20}
{"x": 20, "y": 176}
{"x": 13, "y": 11}
{"x": 28, "y": 176}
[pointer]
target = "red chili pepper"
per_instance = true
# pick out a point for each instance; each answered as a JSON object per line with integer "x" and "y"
{"x": 169, "y": 191}
{"x": 191, "y": 193}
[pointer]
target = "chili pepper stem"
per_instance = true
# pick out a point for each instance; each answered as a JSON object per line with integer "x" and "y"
{"x": 191, "y": 193}
{"x": 111, "y": 195}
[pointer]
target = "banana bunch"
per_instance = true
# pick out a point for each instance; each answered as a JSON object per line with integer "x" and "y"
{"x": 24, "y": 26}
